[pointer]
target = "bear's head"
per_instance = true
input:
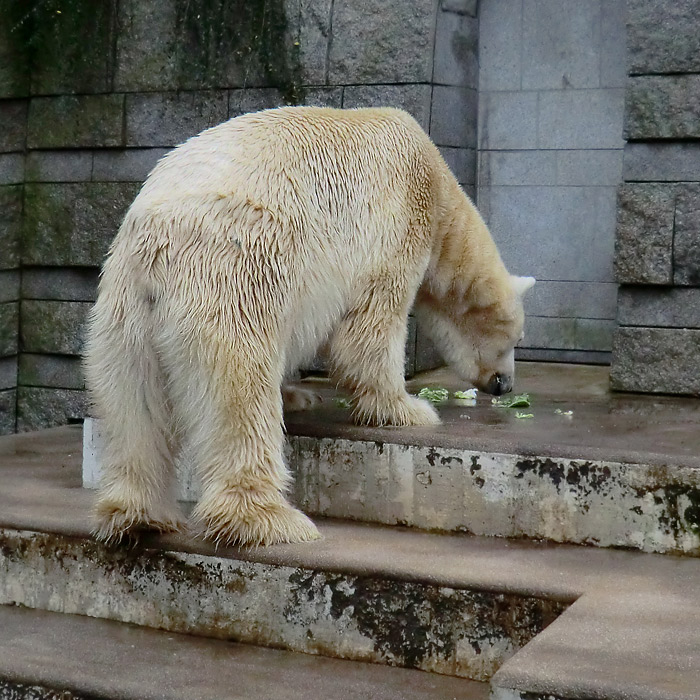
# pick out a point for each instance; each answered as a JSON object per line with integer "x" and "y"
{"x": 477, "y": 327}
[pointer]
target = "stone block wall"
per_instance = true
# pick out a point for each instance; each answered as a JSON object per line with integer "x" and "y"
{"x": 657, "y": 262}
{"x": 551, "y": 92}
{"x": 12, "y": 144}
{"x": 92, "y": 95}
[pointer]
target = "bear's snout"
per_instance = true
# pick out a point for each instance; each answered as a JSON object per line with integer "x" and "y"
{"x": 499, "y": 384}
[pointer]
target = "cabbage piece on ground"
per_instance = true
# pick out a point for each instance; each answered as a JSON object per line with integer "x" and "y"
{"x": 517, "y": 401}
{"x": 434, "y": 394}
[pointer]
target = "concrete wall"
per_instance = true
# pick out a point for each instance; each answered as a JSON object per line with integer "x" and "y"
{"x": 551, "y": 91}
{"x": 91, "y": 97}
{"x": 657, "y": 342}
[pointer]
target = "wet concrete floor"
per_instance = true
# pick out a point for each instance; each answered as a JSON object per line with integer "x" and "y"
{"x": 604, "y": 425}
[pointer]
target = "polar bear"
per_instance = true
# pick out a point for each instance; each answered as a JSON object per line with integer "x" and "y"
{"x": 248, "y": 247}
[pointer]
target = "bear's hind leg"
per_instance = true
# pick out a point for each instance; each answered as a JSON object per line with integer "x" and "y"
{"x": 136, "y": 492}
{"x": 368, "y": 354}
{"x": 124, "y": 375}
{"x": 230, "y": 406}
{"x": 243, "y": 472}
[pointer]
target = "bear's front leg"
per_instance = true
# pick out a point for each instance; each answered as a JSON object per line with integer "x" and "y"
{"x": 367, "y": 356}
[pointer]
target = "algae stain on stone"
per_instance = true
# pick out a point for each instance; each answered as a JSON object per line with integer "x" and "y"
{"x": 241, "y": 43}
{"x": 61, "y": 46}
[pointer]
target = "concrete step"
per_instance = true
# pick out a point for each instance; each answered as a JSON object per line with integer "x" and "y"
{"x": 622, "y": 471}
{"x": 458, "y": 605}
{"x": 640, "y": 643}
{"x": 45, "y": 656}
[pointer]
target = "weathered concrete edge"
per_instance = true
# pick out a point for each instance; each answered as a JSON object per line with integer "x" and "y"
{"x": 13, "y": 690}
{"x": 439, "y": 629}
{"x": 498, "y": 693}
{"x": 334, "y": 423}
{"x": 608, "y": 504}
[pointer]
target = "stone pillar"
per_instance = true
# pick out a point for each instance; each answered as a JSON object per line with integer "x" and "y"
{"x": 14, "y": 86}
{"x": 656, "y": 346}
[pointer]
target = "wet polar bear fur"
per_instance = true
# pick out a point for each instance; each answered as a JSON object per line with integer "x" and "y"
{"x": 248, "y": 247}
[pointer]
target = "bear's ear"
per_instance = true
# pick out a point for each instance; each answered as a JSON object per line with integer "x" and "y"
{"x": 522, "y": 284}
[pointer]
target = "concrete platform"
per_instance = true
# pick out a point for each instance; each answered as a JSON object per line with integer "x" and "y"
{"x": 620, "y": 471}
{"x": 45, "y": 656}
{"x": 559, "y": 621}
{"x": 611, "y": 426}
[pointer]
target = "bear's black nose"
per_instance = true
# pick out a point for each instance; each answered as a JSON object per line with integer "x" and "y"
{"x": 499, "y": 384}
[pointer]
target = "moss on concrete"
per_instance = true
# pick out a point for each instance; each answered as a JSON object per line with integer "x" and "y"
{"x": 68, "y": 121}
{"x": 57, "y": 46}
{"x": 73, "y": 224}
{"x": 10, "y": 225}
{"x": 250, "y": 38}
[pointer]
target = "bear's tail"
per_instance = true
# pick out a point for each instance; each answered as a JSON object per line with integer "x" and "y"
{"x": 127, "y": 391}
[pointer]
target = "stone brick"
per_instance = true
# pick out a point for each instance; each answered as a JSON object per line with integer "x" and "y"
{"x": 73, "y": 224}
{"x": 576, "y": 357}
{"x": 664, "y": 307}
{"x": 72, "y": 47}
{"x": 613, "y": 51}
{"x": 663, "y": 107}
{"x": 60, "y": 283}
{"x": 577, "y": 168}
{"x": 10, "y": 225}
{"x": 70, "y": 121}
{"x": 571, "y": 228}
{"x": 8, "y": 416}
{"x": 572, "y": 300}
{"x": 9, "y": 325}
{"x": 686, "y": 238}
{"x": 53, "y": 326}
{"x": 59, "y": 166}
{"x": 462, "y": 163}
{"x": 9, "y": 285}
{"x": 415, "y": 99}
{"x": 456, "y": 50}
{"x": 644, "y": 244}
{"x": 668, "y": 162}
{"x": 11, "y": 168}
{"x": 563, "y": 41}
{"x": 324, "y": 97}
{"x": 15, "y": 36}
{"x": 55, "y": 371}
{"x": 13, "y": 117}
{"x": 453, "y": 117}
{"x": 656, "y": 360}
{"x": 568, "y": 333}
{"x": 308, "y": 23}
{"x": 500, "y": 45}
{"x": 663, "y": 36}
{"x": 382, "y": 41}
{"x": 253, "y": 100}
{"x": 147, "y": 56}
{"x": 163, "y": 119}
{"x": 507, "y": 120}
{"x": 131, "y": 165}
{"x": 40, "y": 408}
{"x": 426, "y": 354}
{"x": 8, "y": 373}
{"x": 245, "y": 100}
{"x": 527, "y": 167}
{"x": 200, "y": 44}
{"x": 581, "y": 118}
{"x": 461, "y": 7}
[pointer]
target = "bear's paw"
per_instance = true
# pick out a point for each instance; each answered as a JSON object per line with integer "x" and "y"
{"x": 246, "y": 518}
{"x": 399, "y": 412}
{"x": 117, "y": 522}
